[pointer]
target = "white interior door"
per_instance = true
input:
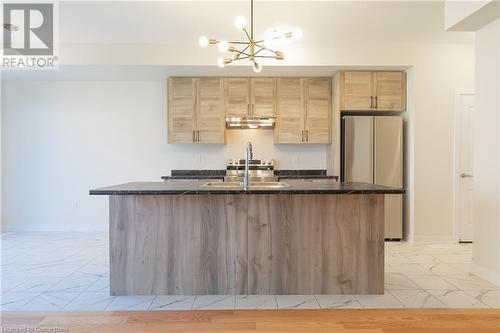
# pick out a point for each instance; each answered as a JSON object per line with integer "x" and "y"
{"x": 464, "y": 174}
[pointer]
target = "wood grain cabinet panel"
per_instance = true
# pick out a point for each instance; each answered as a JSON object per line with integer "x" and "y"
{"x": 178, "y": 245}
{"x": 318, "y": 110}
{"x": 290, "y": 111}
{"x": 304, "y": 107}
{"x": 263, "y": 97}
{"x": 390, "y": 91}
{"x": 373, "y": 91}
{"x": 237, "y": 97}
{"x": 196, "y": 110}
{"x": 315, "y": 244}
{"x": 181, "y": 110}
{"x": 357, "y": 92}
{"x": 210, "y": 111}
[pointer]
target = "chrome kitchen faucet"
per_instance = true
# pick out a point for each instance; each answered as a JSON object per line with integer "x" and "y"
{"x": 248, "y": 157}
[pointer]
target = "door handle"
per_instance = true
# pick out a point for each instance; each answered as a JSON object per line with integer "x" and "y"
{"x": 464, "y": 175}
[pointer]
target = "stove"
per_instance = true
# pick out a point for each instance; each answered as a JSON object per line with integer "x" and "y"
{"x": 259, "y": 170}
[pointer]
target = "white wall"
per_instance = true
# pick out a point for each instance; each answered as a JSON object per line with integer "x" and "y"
{"x": 487, "y": 155}
{"x": 64, "y": 138}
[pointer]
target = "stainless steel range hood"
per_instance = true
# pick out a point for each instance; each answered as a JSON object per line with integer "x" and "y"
{"x": 250, "y": 122}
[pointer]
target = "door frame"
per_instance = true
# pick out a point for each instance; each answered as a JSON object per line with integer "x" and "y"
{"x": 457, "y": 133}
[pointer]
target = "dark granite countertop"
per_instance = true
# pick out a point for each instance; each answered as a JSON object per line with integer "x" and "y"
{"x": 304, "y": 186}
{"x": 219, "y": 174}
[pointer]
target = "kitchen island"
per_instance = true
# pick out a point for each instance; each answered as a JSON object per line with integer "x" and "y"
{"x": 310, "y": 237}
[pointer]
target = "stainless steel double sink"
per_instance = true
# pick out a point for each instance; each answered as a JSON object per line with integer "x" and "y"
{"x": 251, "y": 185}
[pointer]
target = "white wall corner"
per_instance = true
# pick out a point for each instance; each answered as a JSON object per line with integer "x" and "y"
{"x": 472, "y": 15}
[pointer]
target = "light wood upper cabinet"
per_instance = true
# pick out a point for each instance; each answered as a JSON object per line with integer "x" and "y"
{"x": 181, "y": 110}
{"x": 195, "y": 110}
{"x": 318, "y": 93}
{"x": 304, "y": 110}
{"x": 263, "y": 97}
{"x": 237, "y": 99}
{"x": 290, "y": 111}
{"x": 210, "y": 111}
{"x": 357, "y": 91}
{"x": 197, "y": 107}
{"x": 373, "y": 91}
{"x": 390, "y": 91}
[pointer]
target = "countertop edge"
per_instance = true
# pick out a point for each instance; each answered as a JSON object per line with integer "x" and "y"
{"x": 241, "y": 192}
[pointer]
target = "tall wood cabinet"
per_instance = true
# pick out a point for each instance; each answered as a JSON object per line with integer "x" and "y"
{"x": 373, "y": 91}
{"x": 195, "y": 110}
{"x": 363, "y": 91}
{"x": 303, "y": 110}
{"x": 250, "y": 97}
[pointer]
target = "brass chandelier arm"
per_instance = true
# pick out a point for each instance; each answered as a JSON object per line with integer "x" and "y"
{"x": 257, "y": 52}
{"x": 265, "y": 48}
{"x": 268, "y": 57}
{"x": 248, "y": 36}
{"x": 238, "y": 42}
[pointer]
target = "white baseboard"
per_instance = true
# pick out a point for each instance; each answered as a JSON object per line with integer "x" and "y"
{"x": 433, "y": 240}
{"x": 486, "y": 274}
{"x": 56, "y": 227}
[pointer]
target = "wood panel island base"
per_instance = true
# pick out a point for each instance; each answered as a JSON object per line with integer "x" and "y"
{"x": 246, "y": 243}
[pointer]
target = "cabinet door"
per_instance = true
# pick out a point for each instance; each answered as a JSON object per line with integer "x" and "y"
{"x": 357, "y": 91}
{"x": 390, "y": 91}
{"x": 210, "y": 110}
{"x": 263, "y": 102}
{"x": 237, "y": 97}
{"x": 181, "y": 110}
{"x": 318, "y": 92}
{"x": 290, "y": 110}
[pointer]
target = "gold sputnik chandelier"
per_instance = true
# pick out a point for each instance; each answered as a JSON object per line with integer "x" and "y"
{"x": 252, "y": 49}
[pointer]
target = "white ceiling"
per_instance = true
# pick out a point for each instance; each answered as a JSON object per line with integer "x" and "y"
{"x": 168, "y": 22}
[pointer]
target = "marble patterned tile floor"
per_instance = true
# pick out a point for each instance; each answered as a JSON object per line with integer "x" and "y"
{"x": 70, "y": 272}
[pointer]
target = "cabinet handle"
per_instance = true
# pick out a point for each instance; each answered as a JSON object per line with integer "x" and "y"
{"x": 198, "y": 136}
{"x": 302, "y": 135}
{"x": 371, "y": 102}
{"x": 307, "y": 135}
{"x": 376, "y": 102}
{"x": 194, "y": 136}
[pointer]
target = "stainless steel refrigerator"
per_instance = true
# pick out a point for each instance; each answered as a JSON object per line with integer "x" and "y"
{"x": 372, "y": 152}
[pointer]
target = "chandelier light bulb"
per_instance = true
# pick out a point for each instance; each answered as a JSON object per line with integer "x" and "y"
{"x": 203, "y": 41}
{"x": 257, "y": 68}
{"x": 221, "y": 63}
{"x": 297, "y": 33}
{"x": 240, "y": 22}
{"x": 223, "y": 46}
